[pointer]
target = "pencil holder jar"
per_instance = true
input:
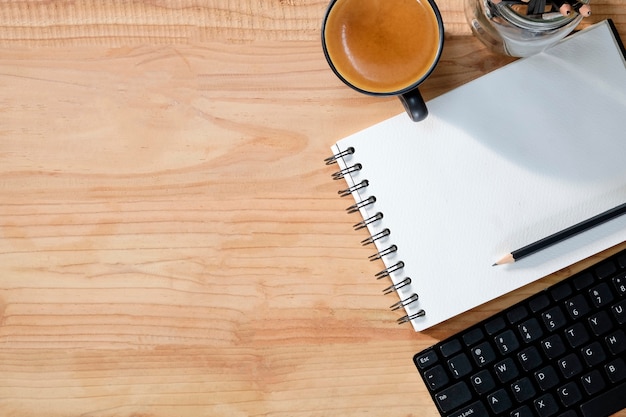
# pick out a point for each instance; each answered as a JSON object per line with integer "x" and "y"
{"x": 523, "y": 28}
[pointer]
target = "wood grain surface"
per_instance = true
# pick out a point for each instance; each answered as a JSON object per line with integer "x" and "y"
{"x": 171, "y": 243}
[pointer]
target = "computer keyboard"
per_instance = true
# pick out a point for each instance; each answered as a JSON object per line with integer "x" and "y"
{"x": 560, "y": 352}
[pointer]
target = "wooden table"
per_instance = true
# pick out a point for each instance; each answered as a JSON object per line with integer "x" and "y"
{"x": 171, "y": 243}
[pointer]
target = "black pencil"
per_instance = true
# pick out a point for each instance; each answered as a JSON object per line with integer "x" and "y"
{"x": 563, "y": 234}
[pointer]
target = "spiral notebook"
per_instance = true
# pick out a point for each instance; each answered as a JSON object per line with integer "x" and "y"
{"x": 514, "y": 156}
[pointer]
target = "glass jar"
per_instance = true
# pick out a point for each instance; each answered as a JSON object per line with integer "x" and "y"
{"x": 506, "y": 27}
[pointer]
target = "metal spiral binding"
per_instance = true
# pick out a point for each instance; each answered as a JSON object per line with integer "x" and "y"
{"x": 348, "y": 191}
{"x": 361, "y": 225}
{"x": 333, "y": 159}
{"x": 405, "y": 302}
{"x": 395, "y": 287}
{"x": 374, "y": 238}
{"x": 341, "y": 174}
{"x": 386, "y": 272}
{"x": 391, "y": 249}
{"x": 379, "y": 255}
{"x": 409, "y": 317}
{"x": 358, "y": 206}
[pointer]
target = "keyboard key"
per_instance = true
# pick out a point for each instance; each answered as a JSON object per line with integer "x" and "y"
{"x": 517, "y": 314}
{"x": 561, "y": 291}
{"x": 506, "y": 370}
{"x": 483, "y": 354}
{"x": 523, "y": 411}
{"x": 546, "y": 378}
{"x": 616, "y": 342}
{"x": 546, "y": 405}
{"x": 576, "y": 335}
{"x": 523, "y": 390}
{"x": 570, "y": 365}
{"x": 600, "y": 323}
{"x": 619, "y": 282}
{"x": 601, "y": 295}
{"x": 621, "y": 261}
{"x": 593, "y": 354}
{"x": 494, "y": 325}
{"x": 619, "y": 311}
{"x": 583, "y": 280}
{"x": 530, "y": 330}
{"x": 475, "y": 409}
{"x": 616, "y": 370}
{"x": 507, "y": 342}
{"x": 453, "y": 397}
{"x": 451, "y": 347}
{"x": 499, "y": 401}
{"x": 539, "y": 303}
{"x": 483, "y": 382}
{"x": 569, "y": 394}
{"x": 606, "y": 403}
{"x": 459, "y": 365}
{"x": 592, "y": 382}
{"x": 577, "y": 306}
{"x": 605, "y": 269}
{"x": 553, "y": 346}
{"x": 473, "y": 336}
{"x": 436, "y": 377}
{"x": 554, "y": 319}
{"x": 425, "y": 359}
{"x": 529, "y": 358}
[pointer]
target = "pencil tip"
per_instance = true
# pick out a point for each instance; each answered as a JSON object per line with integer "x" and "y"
{"x": 506, "y": 260}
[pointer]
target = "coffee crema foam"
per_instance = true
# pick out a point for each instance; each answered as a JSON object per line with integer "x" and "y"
{"x": 382, "y": 46}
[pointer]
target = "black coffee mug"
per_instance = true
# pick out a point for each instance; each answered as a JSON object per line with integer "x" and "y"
{"x": 384, "y": 47}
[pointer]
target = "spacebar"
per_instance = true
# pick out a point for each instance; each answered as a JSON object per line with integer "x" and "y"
{"x": 607, "y": 403}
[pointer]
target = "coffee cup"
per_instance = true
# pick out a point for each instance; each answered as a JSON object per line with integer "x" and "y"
{"x": 384, "y": 47}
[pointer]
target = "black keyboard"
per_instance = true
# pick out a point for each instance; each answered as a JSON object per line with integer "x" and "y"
{"x": 560, "y": 352}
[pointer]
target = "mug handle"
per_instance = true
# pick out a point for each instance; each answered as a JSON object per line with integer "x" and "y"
{"x": 414, "y": 105}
